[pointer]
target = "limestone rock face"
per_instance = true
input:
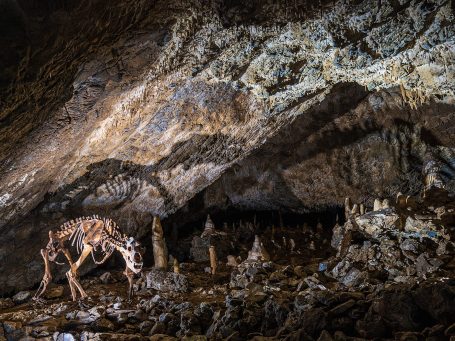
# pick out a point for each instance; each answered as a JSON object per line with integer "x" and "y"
{"x": 131, "y": 110}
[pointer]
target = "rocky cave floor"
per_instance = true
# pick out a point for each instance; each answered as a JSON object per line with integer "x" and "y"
{"x": 384, "y": 274}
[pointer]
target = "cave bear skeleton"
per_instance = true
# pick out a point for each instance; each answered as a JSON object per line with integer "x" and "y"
{"x": 88, "y": 234}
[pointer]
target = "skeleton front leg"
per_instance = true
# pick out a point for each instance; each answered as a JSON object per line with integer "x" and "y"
{"x": 47, "y": 278}
{"x": 72, "y": 273}
{"x": 70, "y": 281}
{"x": 129, "y": 274}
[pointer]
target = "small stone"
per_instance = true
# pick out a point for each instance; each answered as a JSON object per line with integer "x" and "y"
{"x": 21, "y": 297}
{"x": 145, "y": 326}
{"x": 106, "y": 278}
{"x": 11, "y": 326}
{"x": 437, "y": 329}
{"x": 6, "y": 303}
{"x": 54, "y": 292}
{"x": 104, "y": 324}
{"x": 343, "y": 307}
{"x": 138, "y": 315}
{"x": 158, "y": 328}
{"x": 231, "y": 261}
{"x": 65, "y": 337}
{"x": 166, "y": 317}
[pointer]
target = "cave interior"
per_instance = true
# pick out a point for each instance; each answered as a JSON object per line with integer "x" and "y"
{"x": 227, "y": 170}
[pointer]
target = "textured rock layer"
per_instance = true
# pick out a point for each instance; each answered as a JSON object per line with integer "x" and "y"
{"x": 131, "y": 109}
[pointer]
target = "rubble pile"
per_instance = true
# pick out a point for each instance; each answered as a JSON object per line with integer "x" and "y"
{"x": 390, "y": 275}
{"x": 399, "y": 244}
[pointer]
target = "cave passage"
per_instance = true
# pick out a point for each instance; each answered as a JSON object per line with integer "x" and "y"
{"x": 204, "y": 170}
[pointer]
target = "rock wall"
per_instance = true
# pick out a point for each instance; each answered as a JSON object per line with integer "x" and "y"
{"x": 376, "y": 149}
{"x": 131, "y": 109}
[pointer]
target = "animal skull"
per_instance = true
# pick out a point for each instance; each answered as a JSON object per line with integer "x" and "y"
{"x": 131, "y": 252}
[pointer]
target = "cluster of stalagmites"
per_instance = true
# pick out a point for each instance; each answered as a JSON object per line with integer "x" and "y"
{"x": 389, "y": 274}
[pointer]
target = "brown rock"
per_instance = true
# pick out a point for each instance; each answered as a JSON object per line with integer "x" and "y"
{"x": 450, "y": 331}
{"x": 54, "y": 292}
{"x": 343, "y": 307}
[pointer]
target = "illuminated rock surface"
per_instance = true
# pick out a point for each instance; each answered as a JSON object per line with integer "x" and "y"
{"x": 183, "y": 108}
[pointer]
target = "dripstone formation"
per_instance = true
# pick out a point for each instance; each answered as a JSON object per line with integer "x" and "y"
{"x": 151, "y": 108}
{"x": 288, "y": 168}
{"x": 389, "y": 275}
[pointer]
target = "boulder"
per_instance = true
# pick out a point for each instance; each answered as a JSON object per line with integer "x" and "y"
{"x": 54, "y": 292}
{"x": 22, "y": 296}
{"x": 6, "y": 303}
{"x": 377, "y": 223}
{"x": 166, "y": 281}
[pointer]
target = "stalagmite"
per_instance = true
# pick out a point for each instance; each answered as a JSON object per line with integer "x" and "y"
{"x": 209, "y": 227}
{"x": 410, "y": 202}
{"x": 385, "y": 204}
{"x": 401, "y": 200}
{"x": 159, "y": 244}
{"x": 258, "y": 251}
{"x": 292, "y": 244}
{"x": 319, "y": 227}
{"x": 377, "y": 205}
{"x": 305, "y": 227}
{"x": 432, "y": 177}
{"x": 347, "y": 207}
{"x": 355, "y": 210}
{"x": 213, "y": 260}
{"x": 312, "y": 247}
{"x": 231, "y": 261}
{"x": 176, "y": 266}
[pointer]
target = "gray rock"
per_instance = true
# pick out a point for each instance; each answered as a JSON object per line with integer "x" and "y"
{"x": 145, "y": 326}
{"x": 6, "y": 303}
{"x": 158, "y": 328}
{"x": 21, "y": 297}
{"x": 337, "y": 236}
{"x": 167, "y": 281}
{"x": 65, "y": 337}
{"x": 377, "y": 223}
{"x": 106, "y": 278}
{"x": 347, "y": 274}
{"x": 426, "y": 265}
{"x": 54, "y": 292}
{"x": 343, "y": 307}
